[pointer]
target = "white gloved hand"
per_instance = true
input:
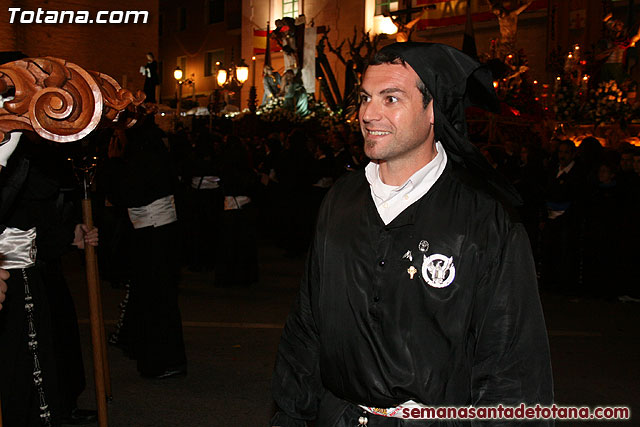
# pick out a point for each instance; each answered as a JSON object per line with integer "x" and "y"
{"x": 6, "y": 148}
{"x": 3, "y": 100}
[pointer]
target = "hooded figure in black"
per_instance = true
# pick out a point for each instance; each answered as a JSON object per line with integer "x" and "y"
{"x": 39, "y": 383}
{"x": 420, "y": 288}
{"x": 143, "y": 180}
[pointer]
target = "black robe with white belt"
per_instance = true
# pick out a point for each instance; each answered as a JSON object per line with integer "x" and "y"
{"x": 367, "y": 331}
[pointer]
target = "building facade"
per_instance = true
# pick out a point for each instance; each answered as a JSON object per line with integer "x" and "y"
{"x": 195, "y": 35}
{"x": 198, "y": 33}
{"x": 57, "y": 28}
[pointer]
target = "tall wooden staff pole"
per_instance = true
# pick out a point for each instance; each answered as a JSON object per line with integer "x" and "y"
{"x": 100, "y": 361}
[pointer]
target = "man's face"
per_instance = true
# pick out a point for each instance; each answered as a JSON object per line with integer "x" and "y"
{"x": 605, "y": 174}
{"x": 636, "y": 164}
{"x": 565, "y": 155}
{"x": 618, "y": 26}
{"x": 335, "y": 142}
{"x": 626, "y": 162}
{"x": 393, "y": 120}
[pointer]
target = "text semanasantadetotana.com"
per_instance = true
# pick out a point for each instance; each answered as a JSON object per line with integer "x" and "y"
{"x": 522, "y": 412}
{"x": 43, "y": 16}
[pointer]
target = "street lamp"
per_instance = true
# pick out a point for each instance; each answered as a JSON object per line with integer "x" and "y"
{"x": 253, "y": 81}
{"x": 238, "y": 74}
{"x": 177, "y": 74}
{"x": 222, "y": 77}
{"x": 242, "y": 72}
{"x": 233, "y": 78}
{"x": 253, "y": 95}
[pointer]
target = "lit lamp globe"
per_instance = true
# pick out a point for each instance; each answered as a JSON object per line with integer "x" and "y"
{"x": 242, "y": 72}
{"x": 222, "y": 76}
{"x": 387, "y": 26}
{"x": 177, "y": 74}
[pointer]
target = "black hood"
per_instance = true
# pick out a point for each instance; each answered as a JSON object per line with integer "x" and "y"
{"x": 457, "y": 81}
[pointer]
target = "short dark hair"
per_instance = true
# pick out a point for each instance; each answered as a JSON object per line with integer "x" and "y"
{"x": 569, "y": 143}
{"x": 387, "y": 57}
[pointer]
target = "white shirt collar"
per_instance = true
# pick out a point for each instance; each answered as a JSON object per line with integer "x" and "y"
{"x": 565, "y": 169}
{"x": 392, "y": 200}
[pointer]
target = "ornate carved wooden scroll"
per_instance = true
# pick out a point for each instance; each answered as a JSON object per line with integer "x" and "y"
{"x": 62, "y": 102}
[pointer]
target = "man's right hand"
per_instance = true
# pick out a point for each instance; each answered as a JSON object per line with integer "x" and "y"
{"x": 4, "y": 275}
{"x": 10, "y": 139}
{"x": 8, "y": 146}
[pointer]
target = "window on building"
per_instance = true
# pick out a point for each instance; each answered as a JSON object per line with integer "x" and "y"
{"x": 181, "y": 61}
{"x": 211, "y": 57}
{"x": 182, "y": 18}
{"x": 290, "y": 8}
{"x": 215, "y": 11}
{"x": 386, "y": 6}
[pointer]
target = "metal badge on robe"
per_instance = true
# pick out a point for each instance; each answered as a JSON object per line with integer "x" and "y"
{"x": 33, "y": 251}
{"x": 438, "y": 270}
{"x": 423, "y": 247}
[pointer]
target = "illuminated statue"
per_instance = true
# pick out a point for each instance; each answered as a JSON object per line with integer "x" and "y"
{"x": 613, "y": 49}
{"x": 508, "y": 21}
{"x": 405, "y": 30}
{"x": 271, "y": 83}
{"x": 150, "y": 73}
{"x": 295, "y": 96}
{"x": 288, "y": 35}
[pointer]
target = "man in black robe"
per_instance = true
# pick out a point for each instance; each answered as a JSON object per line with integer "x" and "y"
{"x": 41, "y": 369}
{"x": 564, "y": 199}
{"x": 143, "y": 179}
{"x": 420, "y": 288}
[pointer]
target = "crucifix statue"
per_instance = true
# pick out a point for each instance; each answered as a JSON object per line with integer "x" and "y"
{"x": 508, "y": 21}
{"x": 405, "y": 26}
{"x": 612, "y": 50}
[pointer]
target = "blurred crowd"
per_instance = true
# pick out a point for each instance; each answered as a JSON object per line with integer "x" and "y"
{"x": 231, "y": 192}
{"x": 580, "y": 210}
{"x": 580, "y": 203}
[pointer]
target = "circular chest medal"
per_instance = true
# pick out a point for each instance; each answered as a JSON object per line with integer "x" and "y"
{"x": 438, "y": 270}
